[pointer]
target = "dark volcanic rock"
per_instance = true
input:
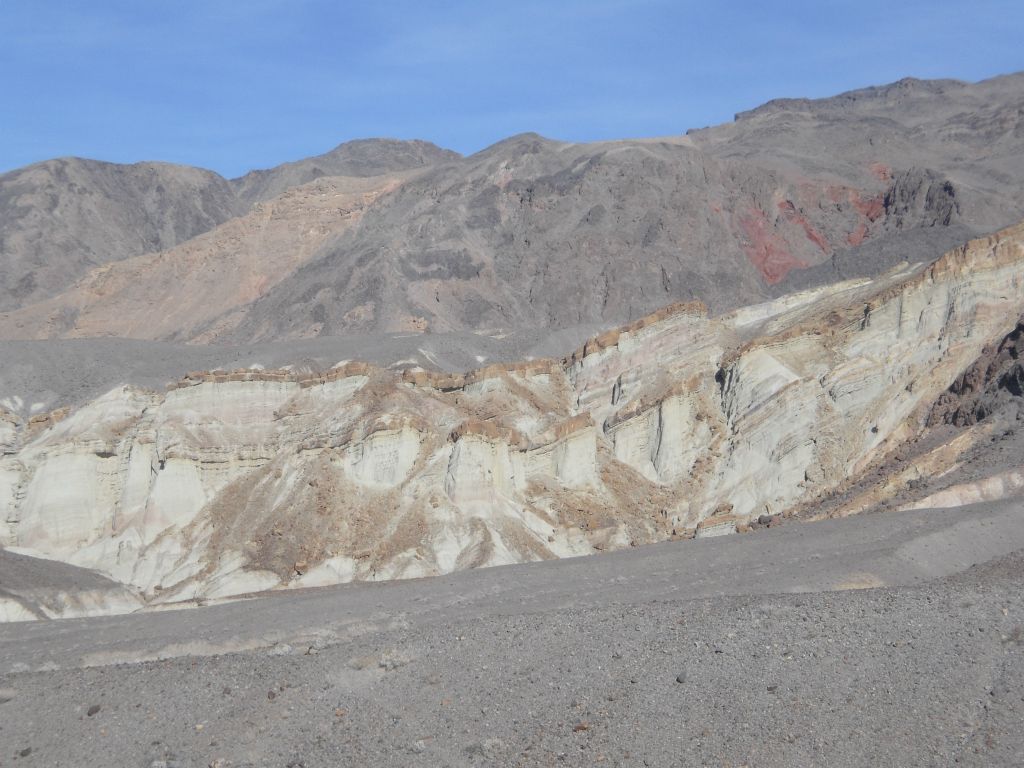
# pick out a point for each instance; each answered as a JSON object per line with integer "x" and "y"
{"x": 993, "y": 385}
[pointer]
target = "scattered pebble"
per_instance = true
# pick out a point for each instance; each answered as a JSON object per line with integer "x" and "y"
{"x": 681, "y": 677}
{"x": 92, "y": 710}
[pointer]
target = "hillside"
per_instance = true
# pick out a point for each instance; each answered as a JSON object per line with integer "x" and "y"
{"x": 533, "y": 232}
{"x": 355, "y": 159}
{"x": 176, "y": 293}
{"x": 63, "y": 217}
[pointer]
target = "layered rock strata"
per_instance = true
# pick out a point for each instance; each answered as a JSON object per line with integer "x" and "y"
{"x": 240, "y": 481}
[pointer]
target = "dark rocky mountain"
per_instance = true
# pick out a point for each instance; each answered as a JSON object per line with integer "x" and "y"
{"x": 62, "y": 217}
{"x": 969, "y": 135}
{"x": 360, "y": 158}
{"x": 795, "y": 193}
{"x": 538, "y": 233}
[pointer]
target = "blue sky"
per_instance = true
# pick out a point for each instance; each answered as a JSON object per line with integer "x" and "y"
{"x": 237, "y": 84}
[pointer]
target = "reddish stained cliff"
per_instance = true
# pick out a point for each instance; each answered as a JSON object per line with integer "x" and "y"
{"x": 871, "y": 208}
{"x": 766, "y": 248}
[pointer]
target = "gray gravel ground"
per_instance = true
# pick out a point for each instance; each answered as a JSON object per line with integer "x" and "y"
{"x": 59, "y": 372}
{"x": 728, "y": 652}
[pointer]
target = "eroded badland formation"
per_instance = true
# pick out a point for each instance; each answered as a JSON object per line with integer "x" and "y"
{"x": 815, "y": 312}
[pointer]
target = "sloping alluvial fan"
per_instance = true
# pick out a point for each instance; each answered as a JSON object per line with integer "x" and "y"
{"x": 677, "y": 424}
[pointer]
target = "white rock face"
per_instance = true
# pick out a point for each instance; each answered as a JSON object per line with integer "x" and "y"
{"x": 12, "y": 610}
{"x": 244, "y": 481}
{"x": 479, "y": 471}
{"x": 384, "y": 458}
{"x": 715, "y": 527}
{"x": 35, "y": 589}
{"x": 664, "y": 441}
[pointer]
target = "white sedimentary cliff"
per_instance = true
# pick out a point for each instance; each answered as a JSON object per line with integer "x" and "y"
{"x": 249, "y": 480}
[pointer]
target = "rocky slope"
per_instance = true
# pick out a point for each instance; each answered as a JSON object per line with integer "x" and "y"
{"x": 174, "y": 293}
{"x": 675, "y": 425}
{"x": 969, "y": 133}
{"x": 532, "y": 232}
{"x": 993, "y": 385}
{"x": 795, "y": 194}
{"x": 61, "y": 218}
{"x": 355, "y": 159}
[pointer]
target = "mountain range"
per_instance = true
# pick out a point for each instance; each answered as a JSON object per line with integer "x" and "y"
{"x": 398, "y": 236}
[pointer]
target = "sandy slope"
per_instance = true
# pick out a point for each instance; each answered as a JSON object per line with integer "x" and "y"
{"x": 171, "y": 293}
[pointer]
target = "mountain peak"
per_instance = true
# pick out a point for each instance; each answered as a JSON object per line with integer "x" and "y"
{"x": 358, "y": 157}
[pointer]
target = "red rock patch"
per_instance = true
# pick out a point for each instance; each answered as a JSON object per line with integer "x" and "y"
{"x": 858, "y": 235}
{"x": 792, "y": 215}
{"x": 880, "y": 171}
{"x": 872, "y": 208}
{"x": 766, "y": 248}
